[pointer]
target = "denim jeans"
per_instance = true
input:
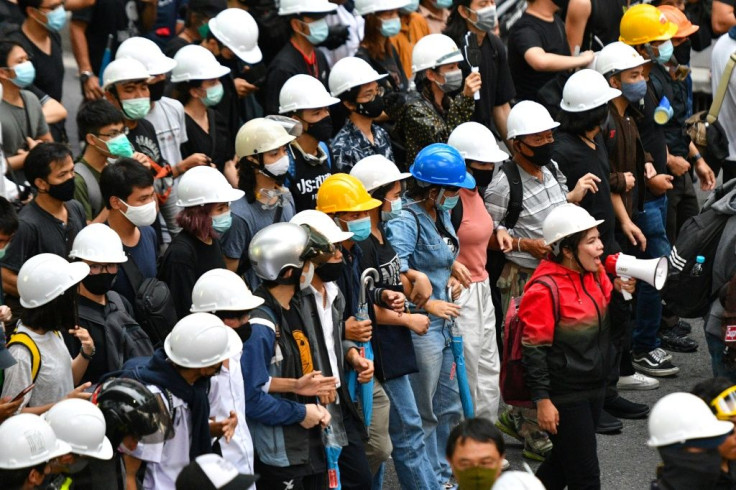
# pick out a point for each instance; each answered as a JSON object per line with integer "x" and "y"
{"x": 413, "y": 467}
{"x": 715, "y": 347}
{"x": 652, "y": 222}
{"x": 436, "y": 394}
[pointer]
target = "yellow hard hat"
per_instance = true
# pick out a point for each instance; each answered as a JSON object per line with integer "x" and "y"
{"x": 341, "y": 193}
{"x": 645, "y": 23}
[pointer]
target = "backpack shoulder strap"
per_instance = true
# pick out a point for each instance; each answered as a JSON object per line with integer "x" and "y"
{"x": 416, "y": 218}
{"x": 93, "y": 187}
{"x": 456, "y": 215}
{"x": 22, "y": 338}
{"x": 270, "y": 317}
{"x": 133, "y": 272}
{"x": 550, "y": 284}
{"x": 515, "y": 194}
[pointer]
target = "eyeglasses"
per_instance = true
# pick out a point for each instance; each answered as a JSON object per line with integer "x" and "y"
{"x": 378, "y": 93}
{"x": 107, "y": 268}
{"x": 115, "y": 134}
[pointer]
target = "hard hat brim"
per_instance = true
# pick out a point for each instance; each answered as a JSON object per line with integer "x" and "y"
{"x": 668, "y": 34}
{"x": 317, "y": 104}
{"x": 345, "y": 88}
{"x": 248, "y": 303}
{"x": 248, "y": 55}
{"x": 688, "y": 31}
{"x": 77, "y": 272}
{"x": 610, "y": 94}
{"x": 715, "y": 428}
{"x": 60, "y": 449}
{"x": 230, "y": 195}
{"x": 494, "y": 155}
{"x": 165, "y": 65}
{"x": 316, "y": 9}
{"x": 395, "y": 4}
{"x": 593, "y": 225}
{"x": 105, "y": 452}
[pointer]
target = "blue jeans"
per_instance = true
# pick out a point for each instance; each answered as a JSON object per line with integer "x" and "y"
{"x": 405, "y": 427}
{"x": 715, "y": 347}
{"x": 437, "y": 396}
{"x": 652, "y": 222}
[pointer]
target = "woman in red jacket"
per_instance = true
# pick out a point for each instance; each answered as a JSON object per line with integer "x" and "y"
{"x": 564, "y": 313}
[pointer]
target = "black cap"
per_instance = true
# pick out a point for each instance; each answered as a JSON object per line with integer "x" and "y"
{"x": 211, "y": 471}
{"x": 210, "y": 8}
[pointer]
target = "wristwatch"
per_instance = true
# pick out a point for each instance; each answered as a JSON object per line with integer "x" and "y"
{"x": 84, "y": 76}
{"x": 88, "y": 356}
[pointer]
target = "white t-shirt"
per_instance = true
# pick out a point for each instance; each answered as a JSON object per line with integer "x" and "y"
{"x": 167, "y": 117}
{"x": 165, "y": 460}
{"x": 355, "y": 24}
{"x": 325, "y": 318}
{"x": 54, "y": 380}
{"x": 227, "y": 393}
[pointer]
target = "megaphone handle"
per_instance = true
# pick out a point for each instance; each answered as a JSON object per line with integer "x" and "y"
{"x": 627, "y": 295}
{"x": 475, "y": 69}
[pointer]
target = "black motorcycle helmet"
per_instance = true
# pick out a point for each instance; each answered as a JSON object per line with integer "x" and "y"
{"x": 131, "y": 409}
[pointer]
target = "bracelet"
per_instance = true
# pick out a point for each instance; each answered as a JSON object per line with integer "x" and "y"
{"x": 697, "y": 157}
{"x": 518, "y": 244}
{"x": 88, "y": 356}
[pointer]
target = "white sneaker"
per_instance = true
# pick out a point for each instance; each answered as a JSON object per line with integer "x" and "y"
{"x": 637, "y": 381}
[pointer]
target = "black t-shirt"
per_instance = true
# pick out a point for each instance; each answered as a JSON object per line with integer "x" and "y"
{"x": 186, "y": 259}
{"x": 143, "y": 138}
{"x": 306, "y": 180}
{"x": 652, "y": 135}
{"x": 98, "y": 364}
{"x": 575, "y": 159}
{"x": 603, "y": 23}
{"x": 498, "y": 87}
{"x": 530, "y": 32}
{"x": 119, "y": 18}
{"x": 10, "y": 13}
{"x": 200, "y": 141}
{"x": 49, "y": 67}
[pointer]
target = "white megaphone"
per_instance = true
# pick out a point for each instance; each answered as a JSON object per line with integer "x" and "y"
{"x": 652, "y": 271}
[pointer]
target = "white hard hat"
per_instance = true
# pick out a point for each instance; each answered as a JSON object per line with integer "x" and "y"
{"x": 680, "y": 417}
{"x": 201, "y": 340}
{"x": 565, "y": 220}
{"x": 194, "y": 62}
{"x": 124, "y": 70}
{"x": 98, "y": 243}
{"x": 517, "y": 480}
{"x": 45, "y": 277}
{"x": 365, "y": 7}
{"x": 294, "y": 7}
{"x": 375, "y": 171}
{"x": 617, "y": 57}
{"x": 236, "y": 29}
{"x": 349, "y": 73}
{"x": 434, "y": 50}
{"x": 28, "y": 440}
{"x": 586, "y": 89}
{"x": 322, "y": 224}
{"x": 304, "y": 92}
{"x": 476, "y": 142}
{"x": 222, "y": 290}
{"x": 80, "y": 424}
{"x": 260, "y": 135}
{"x": 148, "y": 53}
{"x": 528, "y": 117}
{"x": 204, "y": 185}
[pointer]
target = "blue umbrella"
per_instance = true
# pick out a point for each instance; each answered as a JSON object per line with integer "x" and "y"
{"x": 367, "y": 280}
{"x": 462, "y": 375}
{"x": 333, "y": 450}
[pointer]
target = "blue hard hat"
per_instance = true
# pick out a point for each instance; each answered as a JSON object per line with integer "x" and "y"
{"x": 442, "y": 164}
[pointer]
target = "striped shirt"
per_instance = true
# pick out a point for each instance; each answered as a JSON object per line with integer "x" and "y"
{"x": 538, "y": 199}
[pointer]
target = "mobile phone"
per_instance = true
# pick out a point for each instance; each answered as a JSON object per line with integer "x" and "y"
{"x": 25, "y": 391}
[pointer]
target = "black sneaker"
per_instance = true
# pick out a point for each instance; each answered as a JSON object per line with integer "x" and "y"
{"x": 608, "y": 424}
{"x": 676, "y": 342}
{"x": 625, "y": 409}
{"x": 654, "y": 364}
{"x": 682, "y": 328}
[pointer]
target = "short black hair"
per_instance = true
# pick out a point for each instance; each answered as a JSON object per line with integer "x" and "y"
{"x": 39, "y": 160}
{"x": 95, "y": 115}
{"x": 15, "y": 479}
{"x": 6, "y": 46}
{"x": 580, "y": 122}
{"x": 122, "y": 177}
{"x": 8, "y": 217}
{"x": 181, "y": 90}
{"x": 478, "y": 429}
{"x": 24, "y": 4}
{"x": 710, "y": 388}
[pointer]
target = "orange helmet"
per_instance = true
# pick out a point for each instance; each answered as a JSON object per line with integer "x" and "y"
{"x": 685, "y": 28}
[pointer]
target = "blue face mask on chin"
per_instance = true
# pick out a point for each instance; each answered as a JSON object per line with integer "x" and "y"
{"x": 361, "y": 228}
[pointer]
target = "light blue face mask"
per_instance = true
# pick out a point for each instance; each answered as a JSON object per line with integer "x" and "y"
{"x": 222, "y": 222}
{"x": 665, "y": 52}
{"x": 412, "y": 7}
{"x": 213, "y": 96}
{"x": 443, "y": 4}
{"x": 56, "y": 19}
{"x": 2, "y": 251}
{"x": 136, "y": 108}
{"x": 120, "y": 146}
{"x": 361, "y": 228}
{"x": 318, "y": 31}
{"x": 390, "y": 27}
{"x": 25, "y": 73}
{"x": 448, "y": 202}
{"x": 395, "y": 212}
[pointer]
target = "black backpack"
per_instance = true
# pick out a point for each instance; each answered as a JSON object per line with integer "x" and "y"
{"x": 153, "y": 306}
{"x": 687, "y": 295}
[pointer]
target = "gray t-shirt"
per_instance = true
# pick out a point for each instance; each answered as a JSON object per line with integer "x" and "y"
{"x": 15, "y": 122}
{"x": 54, "y": 380}
{"x": 249, "y": 219}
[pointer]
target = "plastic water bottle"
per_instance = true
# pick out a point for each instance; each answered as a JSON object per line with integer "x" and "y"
{"x": 697, "y": 269}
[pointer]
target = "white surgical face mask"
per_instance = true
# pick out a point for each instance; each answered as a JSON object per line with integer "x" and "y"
{"x": 306, "y": 279}
{"x": 279, "y": 167}
{"x": 141, "y": 215}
